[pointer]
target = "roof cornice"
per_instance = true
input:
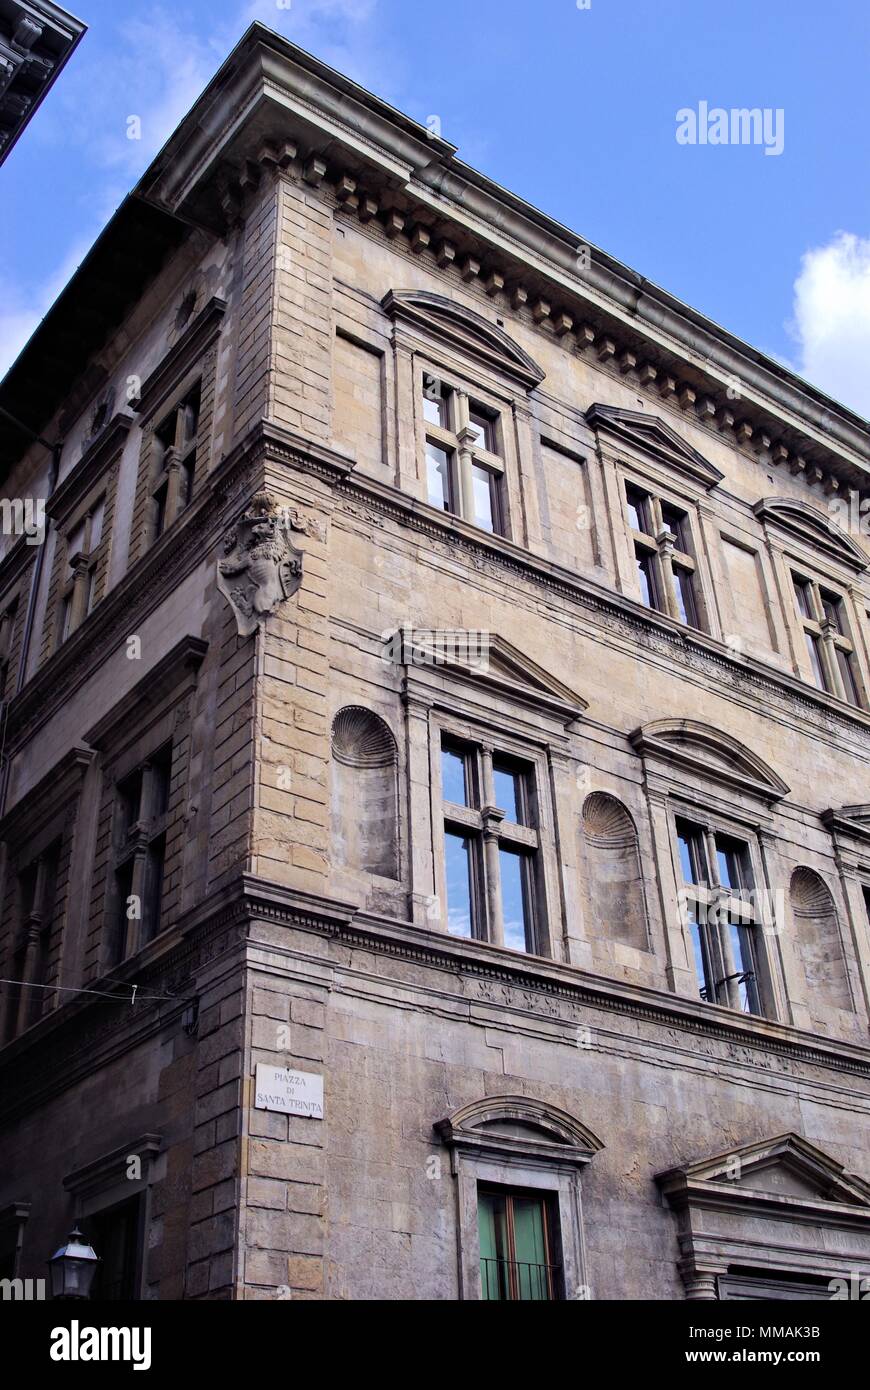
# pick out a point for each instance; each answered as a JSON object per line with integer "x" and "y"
{"x": 274, "y": 108}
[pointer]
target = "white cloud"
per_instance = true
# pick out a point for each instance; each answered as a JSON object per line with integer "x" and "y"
{"x": 832, "y": 318}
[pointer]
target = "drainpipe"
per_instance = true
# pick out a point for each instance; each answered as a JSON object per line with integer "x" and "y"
{"x": 55, "y": 450}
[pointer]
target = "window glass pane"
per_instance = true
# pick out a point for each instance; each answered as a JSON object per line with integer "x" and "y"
{"x": 638, "y": 509}
{"x": 704, "y": 983}
{"x": 515, "y": 899}
{"x": 530, "y": 1243}
{"x": 160, "y": 509}
{"x": 97, "y": 524}
{"x": 832, "y": 609}
{"x": 816, "y": 661}
{"x": 647, "y": 578}
{"x": 493, "y": 1243}
{"x": 508, "y": 792}
{"x": 190, "y": 418}
{"x": 735, "y": 869}
{"x": 161, "y": 773}
{"x": 482, "y": 427}
{"x": 685, "y": 590}
{"x": 483, "y": 485}
{"x": 847, "y": 675}
{"x": 457, "y": 858}
{"x": 115, "y": 1237}
{"x": 435, "y": 401}
{"x": 454, "y": 786}
{"x": 678, "y": 522}
{"x": 803, "y": 596}
{"x": 153, "y": 888}
{"x": 65, "y": 617}
{"x": 744, "y": 963}
{"x": 438, "y": 476}
{"x": 691, "y": 853}
{"x": 75, "y": 541}
{"x": 185, "y": 482}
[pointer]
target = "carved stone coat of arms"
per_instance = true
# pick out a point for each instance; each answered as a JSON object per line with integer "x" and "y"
{"x": 260, "y": 566}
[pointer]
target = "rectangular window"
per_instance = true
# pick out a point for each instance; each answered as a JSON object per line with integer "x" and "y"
{"x": 436, "y": 402}
{"x": 79, "y": 589}
{"x": 518, "y": 1246}
{"x": 684, "y": 586}
{"x": 485, "y": 484}
{"x": 37, "y": 917}
{"x": 639, "y": 514}
{"x": 438, "y": 474}
{"x": 454, "y": 775}
{"x": 114, "y": 1235}
{"x": 511, "y": 785}
{"x": 464, "y": 467}
{"x": 831, "y": 653}
{"x": 647, "y": 576}
{"x": 7, "y": 629}
{"x": 517, "y": 896}
{"x": 492, "y": 884}
{"x": 459, "y": 864}
{"x": 141, "y": 813}
{"x": 175, "y": 469}
{"x": 721, "y": 915}
{"x": 664, "y": 555}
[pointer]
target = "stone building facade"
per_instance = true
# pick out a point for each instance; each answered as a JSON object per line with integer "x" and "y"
{"x": 436, "y": 850}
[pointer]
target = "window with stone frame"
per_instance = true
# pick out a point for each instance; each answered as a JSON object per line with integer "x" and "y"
{"x": 116, "y": 1235}
{"x": 831, "y": 656}
{"x": 664, "y": 552}
{"x": 80, "y": 576}
{"x": 8, "y": 617}
{"x": 723, "y": 920}
{"x": 492, "y": 860}
{"x": 37, "y": 904}
{"x": 464, "y": 455}
{"x": 140, "y": 825}
{"x": 82, "y": 511}
{"x": 144, "y": 746}
{"x": 174, "y": 462}
{"x": 519, "y": 1245}
{"x": 39, "y": 833}
{"x": 517, "y": 1164}
{"x": 175, "y": 409}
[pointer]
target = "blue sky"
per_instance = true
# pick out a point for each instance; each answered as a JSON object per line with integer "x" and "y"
{"x": 573, "y": 108}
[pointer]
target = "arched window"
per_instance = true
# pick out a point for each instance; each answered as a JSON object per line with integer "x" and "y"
{"x": 819, "y": 947}
{"x": 364, "y": 793}
{"x": 615, "y": 875}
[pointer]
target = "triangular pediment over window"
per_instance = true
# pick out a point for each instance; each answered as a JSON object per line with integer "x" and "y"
{"x": 444, "y": 320}
{"x": 787, "y": 1169}
{"x": 709, "y": 753}
{"x": 488, "y": 662}
{"x": 814, "y": 528}
{"x": 649, "y": 436}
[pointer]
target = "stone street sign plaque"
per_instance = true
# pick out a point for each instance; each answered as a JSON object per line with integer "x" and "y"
{"x": 288, "y": 1091}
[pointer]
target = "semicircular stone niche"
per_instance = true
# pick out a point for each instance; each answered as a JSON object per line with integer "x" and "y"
{"x": 364, "y": 793}
{"x": 817, "y": 938}
{"x": 615, "y": 876}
